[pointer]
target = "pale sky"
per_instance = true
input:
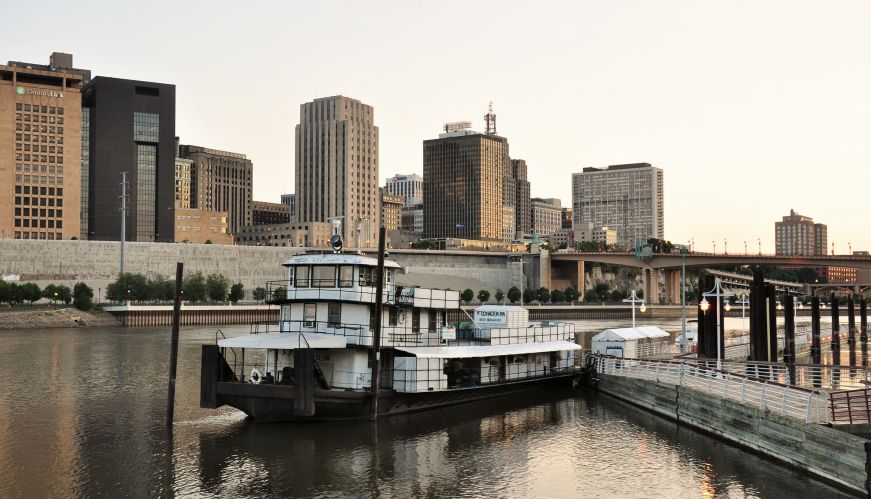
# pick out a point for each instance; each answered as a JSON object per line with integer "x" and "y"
{"x": 766, "y": 102}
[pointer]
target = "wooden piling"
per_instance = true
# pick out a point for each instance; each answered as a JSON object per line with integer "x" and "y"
{"x": 851, "y": 321}
{"x": 836, "y": 326}
{"x": 376, "y": 340}
{"x": 815, "y": 330}
{"x": 173, "y": 349}
{"x": 863, "y": 320}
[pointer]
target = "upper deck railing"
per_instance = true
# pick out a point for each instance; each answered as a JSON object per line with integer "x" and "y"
{"x": 281, "y": 292}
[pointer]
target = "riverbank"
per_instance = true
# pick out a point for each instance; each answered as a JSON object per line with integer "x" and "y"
{"x": 55, "y": 318}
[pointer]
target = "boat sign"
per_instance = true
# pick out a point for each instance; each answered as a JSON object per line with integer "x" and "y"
{"x": 491, "y": 317}
{"x": 449, "y": 333}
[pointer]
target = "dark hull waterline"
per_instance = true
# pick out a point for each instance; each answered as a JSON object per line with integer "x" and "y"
{"x": 276, "y": 402}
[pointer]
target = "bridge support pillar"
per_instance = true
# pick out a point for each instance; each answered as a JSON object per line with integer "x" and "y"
{"x": 672, "y": 287}
{"x": 579, "y": 283}
{"x": 651, "y": 287}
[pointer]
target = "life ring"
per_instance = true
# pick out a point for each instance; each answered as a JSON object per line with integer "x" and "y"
{"x": 256, "y": 377}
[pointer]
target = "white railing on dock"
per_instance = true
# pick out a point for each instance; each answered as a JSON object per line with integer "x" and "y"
{"x": 789, "y": 401}
{"x": 828, "y": 377}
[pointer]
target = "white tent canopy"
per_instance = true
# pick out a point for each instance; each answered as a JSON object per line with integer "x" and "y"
{"x": 630, "y": 333}
{"x": 623, "y": 342}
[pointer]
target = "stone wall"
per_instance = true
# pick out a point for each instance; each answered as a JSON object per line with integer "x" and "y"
{"x": 97, "y": 263}
{"x": 825, "y": 452}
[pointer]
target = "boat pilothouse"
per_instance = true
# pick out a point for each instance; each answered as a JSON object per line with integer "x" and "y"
{"x": 316, "y": 362}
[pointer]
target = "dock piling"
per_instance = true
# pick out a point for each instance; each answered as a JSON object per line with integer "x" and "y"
{"x": 173, "y": 350}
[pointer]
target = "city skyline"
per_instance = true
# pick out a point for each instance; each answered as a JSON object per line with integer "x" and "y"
{"x": 765, "y": 100}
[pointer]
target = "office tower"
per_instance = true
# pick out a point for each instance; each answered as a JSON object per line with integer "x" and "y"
{"x": 566, "y": 218}
{"x": 798, "y": 235}
{"x": 521, "y": 197}
{"x": 463, "y": 185}
{"x": 408, "y": 186}
{"x": 264, "y": 212}
{"x": 183, "y": 172}
{"x": 290, "y": 201}
{"x": 627, "y": 198}
{"x": 40, "y": 150}
{"x": 391, "y": 209}
{"x": 337, "y": 166}
{"x": 131, "y": 126}
{"x": 546, "y": 216}
{"x": 221, "y": 181}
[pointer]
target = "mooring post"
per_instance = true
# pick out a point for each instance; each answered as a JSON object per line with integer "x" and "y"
{"x": 851, "y": 321}
{"x": 836, "y": 325}
{"x": 815, "y": 330}
{"x": 863, "y": 320}
{"x": 376, "y": 340}
{"x": 771, "y": 292}
{"x": 789, "y": 335}
{"x": 173, "y": 349}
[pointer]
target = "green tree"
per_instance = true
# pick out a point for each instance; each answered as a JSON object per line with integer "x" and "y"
{"x": 528, "y": 295}
{"x": 543, "y": 295}
{"x": 483, "y": 295}
{"x": 217, "y": 287}
{"x": 83, "y": 296}
{"x": 591, "y": 296}
{"x": 64, "y": 294}
{"x": 468, "y": 295}
{"x": 513, "y": 294}
{"x": 426, "y": 244}
{"x": 279, "y": 294}
{"x": 259, "y": 293}
{"x": 50, "y": 292}
{"x": 194, "y": 287}
{"x": 127, "y": 287}
{"x": 603, "y": 291}
{"x": 16, "y": 294}
{"x": 571, "y": 294}
{"x": 557, "y": 296}
{"x": 236, "y": 292}
{"x": 31, "y": 292}
{"x": 617, "y": 295}
{"x": 5, "y": 292}
{"x": 499, "y": 295}
{"x": 159, "y": 288}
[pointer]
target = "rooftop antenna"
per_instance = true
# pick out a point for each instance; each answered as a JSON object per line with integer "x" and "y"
{"x": 490, "y": 121}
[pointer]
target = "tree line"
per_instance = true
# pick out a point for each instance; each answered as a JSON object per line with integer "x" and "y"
{"x": 196, "y": 287}
{"x": 81, "y": 296}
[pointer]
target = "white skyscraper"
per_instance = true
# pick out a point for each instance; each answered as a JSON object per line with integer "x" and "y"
{"x": 627, "y": 198}
{"x": 409, "y": 186}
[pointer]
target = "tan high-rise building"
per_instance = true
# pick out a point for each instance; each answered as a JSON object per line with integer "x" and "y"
{"x": 337, "y": 166}
{"x": 463, "y": 173}
{"x": 798, "y": 235}
{"x": 40, "y": 151}
{"x": 221, "y": 181}
{"x": 391, "y": 209}
{"x": 183, "y": 169}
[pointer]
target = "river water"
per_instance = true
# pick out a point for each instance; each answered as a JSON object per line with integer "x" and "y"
{"x": 82, "y": 415}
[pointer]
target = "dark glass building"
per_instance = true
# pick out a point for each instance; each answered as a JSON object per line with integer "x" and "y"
{"x": 131, "y": 128}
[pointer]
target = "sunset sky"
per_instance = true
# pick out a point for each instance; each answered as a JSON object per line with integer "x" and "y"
{"x": 751, "y": 108}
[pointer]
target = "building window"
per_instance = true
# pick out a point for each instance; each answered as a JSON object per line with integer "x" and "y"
{"x": 146, "y": 127}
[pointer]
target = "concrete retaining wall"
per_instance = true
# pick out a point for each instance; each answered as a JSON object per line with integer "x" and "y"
{"x": 825, "y": 452}
{"x": 96, "y": 263}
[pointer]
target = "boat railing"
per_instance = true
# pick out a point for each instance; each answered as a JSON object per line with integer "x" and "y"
{"x": 426, "y": 334}
{"x": 280, "y": 292}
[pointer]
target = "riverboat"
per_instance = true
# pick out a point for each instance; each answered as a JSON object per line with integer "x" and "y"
{"x": 318, "y": 361}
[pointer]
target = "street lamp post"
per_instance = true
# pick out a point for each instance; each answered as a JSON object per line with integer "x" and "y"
{"x": 633, "y": 299}
{"x": 743, "y": 302}
{"x": 717, "y": 293}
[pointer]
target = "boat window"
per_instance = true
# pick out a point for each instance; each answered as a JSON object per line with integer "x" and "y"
{"x": 367, "y": 276}
{"x": 415, "y": 320}
{"x": 290, "y": 272}
{"x": 346, "y": 276}
{"x": 310, "y": 314}
{"x": 324, "y": 276}
{"x": 393, "y": 317}
{"x": 334, "y": 314}
{"x": 431, "y": 319}
{"x": 301, "y": 278}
